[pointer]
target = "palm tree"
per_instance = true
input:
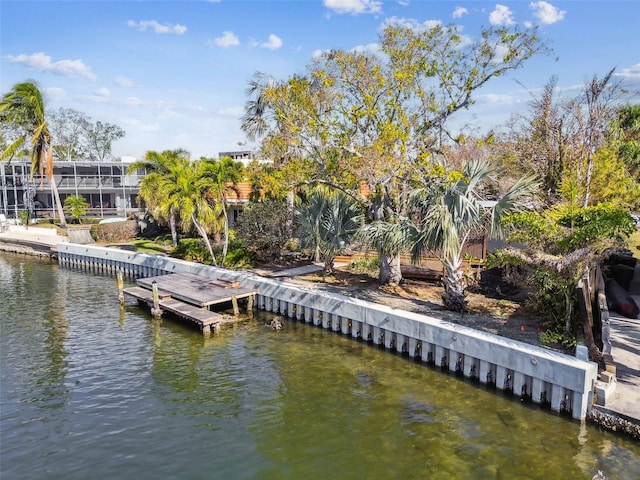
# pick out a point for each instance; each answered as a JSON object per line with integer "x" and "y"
{"x": 186, "y": 187}
{"x": 222, "y": 177}
{"x": 449, "y": 214}
{"x": 24, "y": 108}
{"x": 160, "y": 164}
{"x": 328, "y": 222}
{"x": 77, "y": 206}
{"x": 389, "y": 239}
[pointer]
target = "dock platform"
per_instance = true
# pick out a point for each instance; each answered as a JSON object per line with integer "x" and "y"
{"x": 190, "y": 296}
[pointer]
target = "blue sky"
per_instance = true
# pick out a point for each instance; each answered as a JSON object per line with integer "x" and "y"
{"x": 172, "y": 74}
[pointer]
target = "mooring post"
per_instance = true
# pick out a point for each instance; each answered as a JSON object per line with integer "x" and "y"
{"x": 250, "y": 304}
{"x": 155, "y": 310}
{"x": 120, "y": 287}
{"x": 234, "y": 302}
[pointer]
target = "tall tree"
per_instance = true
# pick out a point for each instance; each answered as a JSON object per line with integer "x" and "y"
{"x": 157, "y": 164}
{"x": 222, "y": 177}
{"x": 99, "y": 139}
{"x": 181, "y": 188}
{"x": 538, "y": 142}
{"x": 598, "y": 97}
{"x": 380, "y": 119}
{"x": 24, "y": 107}
{"x": 68, "y": 126}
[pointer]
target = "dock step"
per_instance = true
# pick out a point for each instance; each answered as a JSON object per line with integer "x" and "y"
{"x": 145, "y": 295}
{"x": 201, "y": 316}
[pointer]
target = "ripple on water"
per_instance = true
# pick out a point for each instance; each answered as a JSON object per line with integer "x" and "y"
{"x": 94, "y": 390}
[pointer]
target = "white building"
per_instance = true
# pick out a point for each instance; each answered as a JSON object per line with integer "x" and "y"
{"x": 107, "y": 187}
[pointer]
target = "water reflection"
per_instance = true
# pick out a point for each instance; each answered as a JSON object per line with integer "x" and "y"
{"x": 92, "y": 389}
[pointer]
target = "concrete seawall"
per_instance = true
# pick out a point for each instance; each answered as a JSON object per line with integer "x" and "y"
{"x": 563, "y": 382}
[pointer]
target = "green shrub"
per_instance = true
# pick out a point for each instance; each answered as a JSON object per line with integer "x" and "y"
{"x": 116, "y": 232}
{"x": 550, "y": 337}
{"x": 239, "y": 257}
{"x": 366, "y": 265}
{"x": 192, "y": 250}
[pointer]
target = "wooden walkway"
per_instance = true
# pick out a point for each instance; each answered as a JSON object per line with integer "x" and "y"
{"x": 190, "y": 296}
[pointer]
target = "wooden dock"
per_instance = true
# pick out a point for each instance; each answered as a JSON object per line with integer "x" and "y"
{"x": 191, "y": 297}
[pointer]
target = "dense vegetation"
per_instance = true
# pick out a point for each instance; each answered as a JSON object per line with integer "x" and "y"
{"x": 357, "y": 152}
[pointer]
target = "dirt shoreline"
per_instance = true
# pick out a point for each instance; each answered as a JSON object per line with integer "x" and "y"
{"x": 500, "y": 315}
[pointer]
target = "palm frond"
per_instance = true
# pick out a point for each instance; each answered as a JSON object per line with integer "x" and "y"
{"x": 11, "y": 150}
{"x": 525, "y": 188}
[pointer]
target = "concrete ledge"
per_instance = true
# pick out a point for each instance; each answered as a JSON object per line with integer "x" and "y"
{"x": 605, "y": 392}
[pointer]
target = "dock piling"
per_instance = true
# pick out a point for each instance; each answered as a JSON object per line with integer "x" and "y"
{"x": 155, "y": 310}
{"x": 120, "y": 287}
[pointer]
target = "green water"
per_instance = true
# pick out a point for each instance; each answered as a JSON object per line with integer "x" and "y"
{"x": 93, "y": 390}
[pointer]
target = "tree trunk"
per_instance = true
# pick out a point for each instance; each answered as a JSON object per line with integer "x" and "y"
{"x": 568, "y": 311}
{"x": 328, "y": 264}
{"x": 587, "y": 181}
{"x": 225, "y": 244}
{"x": 455, "y": 285}
{"x": 290, "y": 213}
{"x": 172, "y": 226}
{"x": 205, "y": 237}
{"x": 390, "y": 272}
{"x": 56, "y": 200}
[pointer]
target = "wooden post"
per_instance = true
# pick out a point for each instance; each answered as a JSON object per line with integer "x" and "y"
{"x": 155, "y": 310}
{"x": 250, "y": 304}
{"x": 234, "y": 302}
{"x": 120, "y": 287}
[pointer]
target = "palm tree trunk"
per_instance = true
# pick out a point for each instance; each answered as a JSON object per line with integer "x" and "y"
{"x": 390, "y": 272}
{"x": 225, "y": 244}
{"x": 455, "y": 285}
{"x": 205, "y": 237}
{"x": 172, "y": 226}
{"x": 56, "y": 200}
{"x": 328, "y": 265}
{"x": 290, "y": 213}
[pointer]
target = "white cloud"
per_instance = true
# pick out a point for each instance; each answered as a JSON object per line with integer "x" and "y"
{"x": 228, "y": 39}
{"x": 495, "y": 99}
{"x": 372, "y": 48}
{"x": 500, "y": 52}
{"x": 501, "y": 15}
{"x": 318, "y": 53}
{"x": 102, "y": 92}
{"x": 123, "y": 82}
{"x": 355, "y": 7}
{"x": 157, "y": 27}
{"x": 546, "y": 13}
{"x": 631, "y": 74}
{"x": 410, "y": 23}
{"x": 459, "y": 12}
{"x": 41, "y": 62}
{"x": 56, "y": 93}
{"x": 133, "y": 102}
{"x": 140, "y": 126}
{"x": 273, "y": 43}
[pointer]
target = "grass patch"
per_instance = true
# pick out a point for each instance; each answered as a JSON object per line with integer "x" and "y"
{"x": 151, "y": 246}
